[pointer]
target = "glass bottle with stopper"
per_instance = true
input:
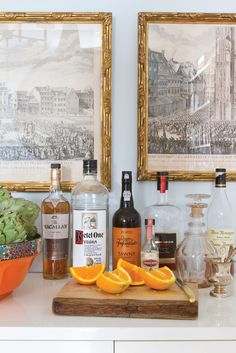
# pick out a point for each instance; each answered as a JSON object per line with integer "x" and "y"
{"x": 195, "y": 251}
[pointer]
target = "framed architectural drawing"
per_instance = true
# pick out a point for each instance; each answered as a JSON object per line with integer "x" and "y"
{"x": 55, "y": 97}
{"x": 186, "y": 95}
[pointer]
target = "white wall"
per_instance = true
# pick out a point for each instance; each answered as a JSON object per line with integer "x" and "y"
{"x": 124, "y": 77}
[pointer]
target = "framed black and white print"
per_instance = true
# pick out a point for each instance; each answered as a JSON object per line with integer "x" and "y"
{"x": 186, "y": 95}
{"x": 55, "y": 97}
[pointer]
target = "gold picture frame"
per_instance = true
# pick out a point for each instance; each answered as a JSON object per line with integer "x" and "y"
{"x": 158, "y": 32}
{"x": 102, "y": 34}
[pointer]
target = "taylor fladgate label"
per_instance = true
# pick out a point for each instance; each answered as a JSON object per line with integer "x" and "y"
{"x": 89, "y": 237}
{"x": 126, "y": 244}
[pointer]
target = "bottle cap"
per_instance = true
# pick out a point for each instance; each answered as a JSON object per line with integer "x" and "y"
{"x": 89, "y": 166}
{"x": 55, "y": 166}
{"x": 162, "y": 181}
{"x": 127, "y": 177}
{"x": 149, "y": 222}
{"x": 220, "y": 180}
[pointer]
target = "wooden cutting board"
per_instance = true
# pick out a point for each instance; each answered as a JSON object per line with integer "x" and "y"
{"x": 136, "y": 302}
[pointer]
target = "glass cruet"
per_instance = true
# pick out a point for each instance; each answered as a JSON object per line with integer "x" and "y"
{"x": 194, "y": 253}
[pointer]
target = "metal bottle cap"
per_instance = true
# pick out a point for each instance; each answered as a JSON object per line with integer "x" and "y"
{"x": 127, "y": 177}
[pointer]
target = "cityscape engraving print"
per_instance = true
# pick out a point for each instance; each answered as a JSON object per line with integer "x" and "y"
{"x": 50, "y": 98}
{"x": 191, "y": 98}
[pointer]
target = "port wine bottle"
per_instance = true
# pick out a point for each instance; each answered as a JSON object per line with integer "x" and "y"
{"x": 126, "y": 231}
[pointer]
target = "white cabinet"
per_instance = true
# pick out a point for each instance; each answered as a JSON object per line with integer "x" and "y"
{"x": 56, "y": 346}
{"x": 175, "y": 346}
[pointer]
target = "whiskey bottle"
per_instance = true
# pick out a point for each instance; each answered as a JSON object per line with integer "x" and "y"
{"x": 55, "y": 214}
{"x": 126, "y": 226}
{"x": 167, "y": 223}
{"x": 90, "y": 219}
{"x": 150, "y": 252}
{"x": 220, "y": 216}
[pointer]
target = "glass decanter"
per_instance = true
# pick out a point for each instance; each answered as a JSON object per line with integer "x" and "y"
{"x": 195, "y": 251}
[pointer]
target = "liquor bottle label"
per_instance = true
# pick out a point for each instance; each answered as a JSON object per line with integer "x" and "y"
{"x": 221, "y": 237}
{"x": 127, "y": 195}
{"x": 89, "y": 237}
{"x": 126, "y": 245}
{"x": 150, "y": 261}
{"x": 55, "y": 226}
{"x": 167, "y": 243}
{"x": 55, "y": 249}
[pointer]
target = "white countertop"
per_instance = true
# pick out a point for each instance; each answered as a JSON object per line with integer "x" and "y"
{"x": 27, "y": 315}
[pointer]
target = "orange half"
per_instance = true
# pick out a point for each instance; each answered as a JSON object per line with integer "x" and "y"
{"x": 87, "y": 274}
{"x": 113, "y": 282}
{"x": 160, "y": 279}
{"x": 135, "y": 272}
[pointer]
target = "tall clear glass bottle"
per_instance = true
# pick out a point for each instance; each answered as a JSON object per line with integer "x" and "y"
{"x": 55, "y": 215}
{"x": 167, "y": 223}
{"x": 90, "y": 219}
{"x": 220, "y": 216}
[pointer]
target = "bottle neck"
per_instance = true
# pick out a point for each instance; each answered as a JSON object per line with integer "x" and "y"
{"x": 90, "y": 177}
{"x": 163, "y": 197}
{"x": 126, "y": 200}
{"x": 219, "y": 194}
{"x": 55, "y": 181}
{"x": 220, "y": 190}
{"x": 196, "y": 224}
{"x": 149, "y": 232}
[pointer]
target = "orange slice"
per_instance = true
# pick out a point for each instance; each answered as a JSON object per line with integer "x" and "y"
{"x": 123, "y": 274}
{"x": 87, "y": 274}
{"x": 135, "y": 272}
{"x": 114, "y": 282}
{"x": 160, "y": 279}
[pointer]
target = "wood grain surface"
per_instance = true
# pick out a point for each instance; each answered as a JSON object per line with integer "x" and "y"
{"x": 136, "y": 302}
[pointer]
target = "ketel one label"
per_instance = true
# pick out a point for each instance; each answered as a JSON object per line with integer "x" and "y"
{"x": 89, "y": 237}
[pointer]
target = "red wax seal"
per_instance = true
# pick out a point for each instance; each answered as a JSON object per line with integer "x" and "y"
{"x": 163, "y": 184}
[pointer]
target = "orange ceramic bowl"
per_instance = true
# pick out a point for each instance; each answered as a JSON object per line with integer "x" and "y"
{"x": 12, "y": 273}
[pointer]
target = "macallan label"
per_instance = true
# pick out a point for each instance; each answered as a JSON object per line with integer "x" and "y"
{"x": 167, "y": 243}
{"x": 126, "y": 244}
{"x": 55, "y": 226}
{"x": 89, "y": 237}
{"x": 221, "y": 237}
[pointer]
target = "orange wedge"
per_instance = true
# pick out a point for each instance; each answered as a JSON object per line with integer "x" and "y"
{"x": 87, "y": 274}
{"x": 160, "y": 279}
{"x": 135, "y": 272}
{"x": 123, "y": 274}
{"x": 114, "y": 282}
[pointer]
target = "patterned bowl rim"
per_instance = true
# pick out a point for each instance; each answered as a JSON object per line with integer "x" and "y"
{"x": 22, "y": 242}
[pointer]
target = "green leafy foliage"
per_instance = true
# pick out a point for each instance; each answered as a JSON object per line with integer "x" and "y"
{"x": 17, "y": 218}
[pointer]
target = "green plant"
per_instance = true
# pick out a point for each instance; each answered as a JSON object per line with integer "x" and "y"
{"x": 17, "y": 218}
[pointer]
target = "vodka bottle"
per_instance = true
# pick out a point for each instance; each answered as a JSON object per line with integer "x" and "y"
{"x": 90, "y": 219}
